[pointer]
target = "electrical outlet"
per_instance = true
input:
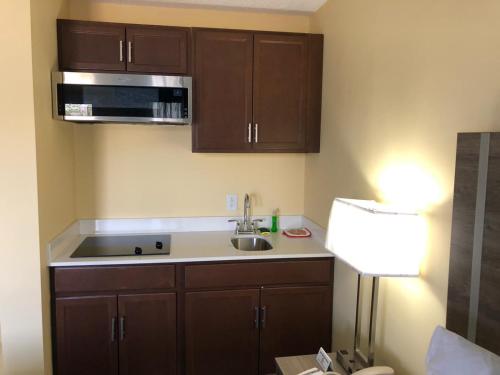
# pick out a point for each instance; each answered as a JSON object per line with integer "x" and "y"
{"x": 232, "y": 202}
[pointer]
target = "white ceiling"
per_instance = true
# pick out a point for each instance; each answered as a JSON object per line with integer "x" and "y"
{"x": 276, "y": 5}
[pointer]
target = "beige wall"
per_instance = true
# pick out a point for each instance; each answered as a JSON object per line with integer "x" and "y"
{"x": 54, "y": 144}
{"x": 188, "y": 16}
{"x": 121, "y": 171}
{"x": 401, "y": 79}
{"x": 143, "y": 171}
{"x": 21, "y": 344}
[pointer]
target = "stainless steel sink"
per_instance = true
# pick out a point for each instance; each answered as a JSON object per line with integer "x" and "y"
{"x": 251, "y": 243}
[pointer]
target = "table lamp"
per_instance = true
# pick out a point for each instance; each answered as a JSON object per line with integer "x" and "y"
{"x": 376, "y": 240}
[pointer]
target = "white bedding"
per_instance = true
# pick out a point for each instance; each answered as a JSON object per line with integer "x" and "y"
{"x": 451, "y": 354}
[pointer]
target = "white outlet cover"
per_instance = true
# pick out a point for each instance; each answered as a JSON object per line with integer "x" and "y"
{"x": 232, "y": 202}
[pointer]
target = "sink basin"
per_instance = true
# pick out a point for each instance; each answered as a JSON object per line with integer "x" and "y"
{"x": 251, "y": 243}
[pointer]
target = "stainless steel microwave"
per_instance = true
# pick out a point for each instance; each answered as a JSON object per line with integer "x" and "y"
{"x": 124, "y": 98}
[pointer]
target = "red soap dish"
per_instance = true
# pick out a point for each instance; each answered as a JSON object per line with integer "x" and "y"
{"x": 297, "y": 233}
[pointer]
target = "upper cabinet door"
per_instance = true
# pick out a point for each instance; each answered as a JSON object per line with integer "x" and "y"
{"x": 152, "y": 49}
{"x": 91, "y": 45}
{"x": 280, "y": 86}
{"x": 222, "y": 91}
{"x": 147, "y": 333}
{"x": 87, "y": 341}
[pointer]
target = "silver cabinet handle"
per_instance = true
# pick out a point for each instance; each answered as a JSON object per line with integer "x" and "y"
{"x": 256, "y": 320}
{"x": 129, "y": 52}
{"x": 250, "y": 133}
{"x": 122, "y": 328}
{"x": 263, "y": 317}
{"x": 121, "y": 50}
{"x": 113, "y": 329}
{"x": 256, "y": 133}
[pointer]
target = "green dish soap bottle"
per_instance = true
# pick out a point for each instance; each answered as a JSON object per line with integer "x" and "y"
{"x": 274, "y": 227}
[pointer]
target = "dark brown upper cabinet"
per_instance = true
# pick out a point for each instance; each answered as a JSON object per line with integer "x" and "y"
{"x": 223, "y": 91}
{"x": 157, "y": 49}
{"x": 91, "y": 45}
{"x": 101, "y": 46}
{"x": 257, "y": 92}
{"x": 279, "y": 106}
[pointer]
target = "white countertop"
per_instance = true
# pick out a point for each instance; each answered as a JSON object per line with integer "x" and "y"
{"x": 200, "y": 247}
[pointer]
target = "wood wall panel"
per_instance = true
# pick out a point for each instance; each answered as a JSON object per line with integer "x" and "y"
{"x": 488, "y": 323}
{"x": 461, "y": 311}
{"x": 464, "y": 205}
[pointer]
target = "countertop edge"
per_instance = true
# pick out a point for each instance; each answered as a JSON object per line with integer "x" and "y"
{"x": 132, "y": 262}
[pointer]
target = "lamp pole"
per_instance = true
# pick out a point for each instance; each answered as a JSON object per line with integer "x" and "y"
{"x": 369, "y": 359}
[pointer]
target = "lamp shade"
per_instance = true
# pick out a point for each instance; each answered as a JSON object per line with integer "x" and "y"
{"x": 376, "y": 239}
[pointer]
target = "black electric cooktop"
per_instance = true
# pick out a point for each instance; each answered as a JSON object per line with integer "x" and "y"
{"x": 109, "y": 246}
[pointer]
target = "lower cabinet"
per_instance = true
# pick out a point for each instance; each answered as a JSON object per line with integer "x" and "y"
{"x": 208, "y": 318}
{"x": 222, "y": 332}
{"x": 294, "y": 321}
{"x": 86, "y": 335}
{"x": 124, "y": 334}
{"x": 242, "y": 331}
{"x": 147, "y": 334}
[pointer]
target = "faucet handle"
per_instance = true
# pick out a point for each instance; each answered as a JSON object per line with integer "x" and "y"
{"x": 255, "y": 221}
{"x": 238, "y": 223}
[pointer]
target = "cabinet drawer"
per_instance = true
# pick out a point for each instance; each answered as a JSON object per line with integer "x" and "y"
{"x": 258, "y": 274}
{"x": 113, "y": 278}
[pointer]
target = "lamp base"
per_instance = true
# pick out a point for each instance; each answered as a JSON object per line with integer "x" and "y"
{"x": 349, "y": 361}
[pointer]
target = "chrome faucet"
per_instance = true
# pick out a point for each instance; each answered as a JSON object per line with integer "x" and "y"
{"x": 247, "y": 225}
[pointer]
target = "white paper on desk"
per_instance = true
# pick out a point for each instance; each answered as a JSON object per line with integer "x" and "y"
{"x": 324, "y": 361}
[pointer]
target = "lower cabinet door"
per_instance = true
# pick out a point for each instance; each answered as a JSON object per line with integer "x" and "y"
{"x": 294, "y": 321}
{"x": 86, "y": 336}
{"x": 147, "y": 334}
{"x": 222, "y": 334}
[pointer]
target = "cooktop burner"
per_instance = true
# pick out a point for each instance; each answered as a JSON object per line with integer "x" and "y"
{"x": 109, "y": 246}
